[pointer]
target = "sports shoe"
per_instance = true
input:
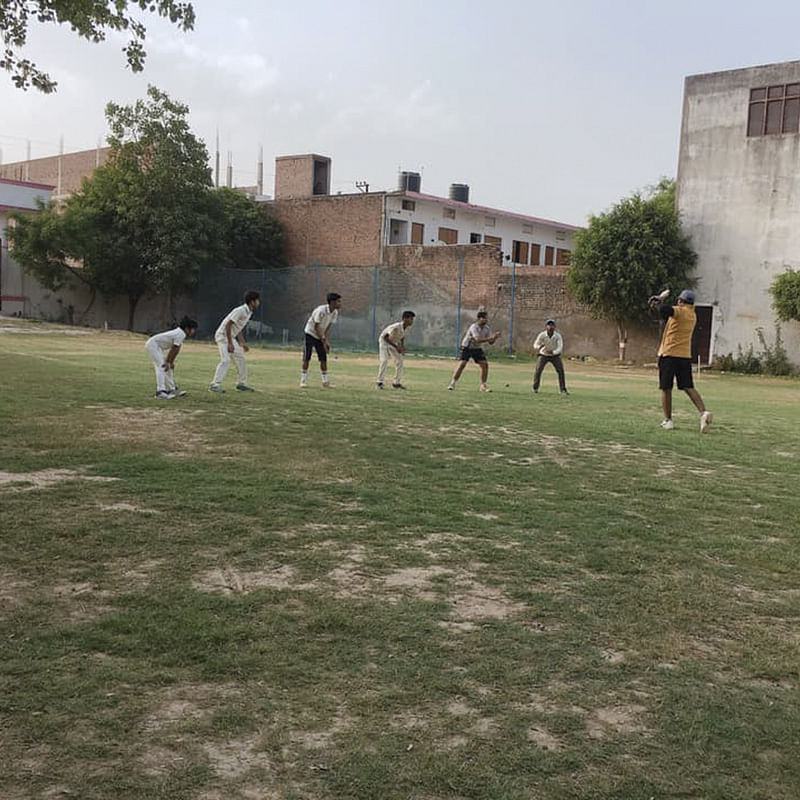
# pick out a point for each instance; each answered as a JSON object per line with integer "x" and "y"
{"x": 667, "y": 425}
{"x": 303, "y": 385}
{"x": 564, "y": 391}
{"x": 176, "y": 392}
{"x": 398, "y": 386}
{"x": 327, "y": 385}
{"x": 451, "y": 387}
{"x": 534, "y": 390}
{"x": 705, "y": 421}
{"x": 215, "y": 387}
{"x": 163, "y": 395}
{"x": 484, "y": 388}
{"x": 243, "y": 387}
{"x": 380, "y": 384}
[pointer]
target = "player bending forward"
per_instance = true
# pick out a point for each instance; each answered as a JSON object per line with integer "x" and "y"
{"x": 390, "y": 342}
{"x": 675, "y": 355}
{"x": 479, "y": 333}
{"x": 164, "y": 349}
{"x": 316, "y": 331}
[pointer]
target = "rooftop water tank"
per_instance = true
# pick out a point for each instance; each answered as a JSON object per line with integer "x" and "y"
{"x": 409, "y": 182}
{"x": 459, "y": 192}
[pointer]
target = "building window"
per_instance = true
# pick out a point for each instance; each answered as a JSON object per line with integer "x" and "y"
{"x": 549, "y": 253}
{"x": 774, "y": 109}
{"x": 519, "y": 252}
{"x": 489, "y": 222}
{"x": 474, "y": 238}
{"x": 561, "y": 236}
{"x": 492, "y": 240}
{"x": 448, "y": 235}
{"x": 527, "y": 227}
{"x": 536, "y": 254}
{"x": 449, "y": 213}
{"x": 562, "y": 257}
{"x": 409, "y": 205}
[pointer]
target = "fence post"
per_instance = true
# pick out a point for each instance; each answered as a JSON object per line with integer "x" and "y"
{"x": 374, "y": 305}
{"x": 511, "y": 314}
{"x": 458, "y": 310}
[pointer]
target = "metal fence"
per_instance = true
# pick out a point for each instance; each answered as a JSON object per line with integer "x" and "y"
{"x": 372, "y": 297}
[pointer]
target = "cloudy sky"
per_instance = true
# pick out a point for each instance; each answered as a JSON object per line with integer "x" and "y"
{"x": 553, "y": 109}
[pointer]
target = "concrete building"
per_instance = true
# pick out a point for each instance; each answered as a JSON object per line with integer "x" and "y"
{"x": 14, "y": 284}
{"x": 738, "y": 192}
{"x": 356, "y": 229}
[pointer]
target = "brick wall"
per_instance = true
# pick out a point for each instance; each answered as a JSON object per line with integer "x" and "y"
{"x": 74, "y": 168}
{"x": 338, "y": 230}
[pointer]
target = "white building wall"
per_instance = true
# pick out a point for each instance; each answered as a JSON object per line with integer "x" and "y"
{"x": 739, "y": 200}
{"x": 475, "y": 219}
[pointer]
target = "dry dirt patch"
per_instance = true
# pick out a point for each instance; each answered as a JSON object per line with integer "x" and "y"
{"x": 45, "y": 478}
{"x": 236, "y": 757}
{"x": 229, "y": 580}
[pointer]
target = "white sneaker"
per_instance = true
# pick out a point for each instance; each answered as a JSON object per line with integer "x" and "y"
{"x": 484, "y": 388}
{"x": 667, "y": 424}
{"x": 705, "y": 421}
{"x": 451, "y": 387}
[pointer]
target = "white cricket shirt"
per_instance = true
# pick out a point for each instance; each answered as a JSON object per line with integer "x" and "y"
{"x": 167, "y": 339}
{"x": 322, "y": 316}
{"x": 240, "y": 316}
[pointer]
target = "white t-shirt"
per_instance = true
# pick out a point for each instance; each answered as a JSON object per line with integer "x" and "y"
{"x": 396, "y": 332}
{"x": 167, "y": 339}
{"x": 549, "y": 345}
{"x": 322, "y": 316}
{"x": 240, "y": 316}
{"x": 476, "y": 331}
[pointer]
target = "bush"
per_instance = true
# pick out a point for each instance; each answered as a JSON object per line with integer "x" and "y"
{"x": 772, "y": 360}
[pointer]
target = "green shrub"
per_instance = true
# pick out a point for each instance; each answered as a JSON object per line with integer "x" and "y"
{"x": 772, "y": 360}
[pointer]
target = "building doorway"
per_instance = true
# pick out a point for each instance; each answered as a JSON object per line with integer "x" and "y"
{"x": 701, "y": 340}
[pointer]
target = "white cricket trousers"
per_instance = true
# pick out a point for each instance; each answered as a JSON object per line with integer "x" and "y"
{"x": 165, "y": 381}
{"x": 385, "y": 351}
{"x": 225, "y": 360}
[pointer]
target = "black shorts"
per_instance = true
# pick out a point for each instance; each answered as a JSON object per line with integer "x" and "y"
{"x": 312, "y": 343}
{"x": 680, "y": 369}
{"x": 474, "y": 353}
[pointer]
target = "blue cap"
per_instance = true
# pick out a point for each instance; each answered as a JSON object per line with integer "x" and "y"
{"x": 687, "y": 295}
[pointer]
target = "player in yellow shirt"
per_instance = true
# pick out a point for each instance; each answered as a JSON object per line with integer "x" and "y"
{"x": 675, "y": 355}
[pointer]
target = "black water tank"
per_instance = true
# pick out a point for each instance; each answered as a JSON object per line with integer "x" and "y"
{"x": 459, "y": 192}
{"x": 409, "y": 182}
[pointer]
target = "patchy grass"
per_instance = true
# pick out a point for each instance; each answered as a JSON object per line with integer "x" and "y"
{"x": 364, "y": 594}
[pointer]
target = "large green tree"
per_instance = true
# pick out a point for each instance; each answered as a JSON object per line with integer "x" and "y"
{"x": 89, "y": 19}
{"x": 785, "y": 291}
{"x": 146, "y": 221}
{"x": 141, "y": 224}
{"x": 628, "y": 253}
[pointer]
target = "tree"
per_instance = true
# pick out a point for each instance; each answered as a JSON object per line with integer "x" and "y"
{"x": 248, "y": 238}
{"x": 785, "y": 291}
{"x": 628, "y": 253}
{"x": 89, "y": 19}
{"x": 143, "y": 223}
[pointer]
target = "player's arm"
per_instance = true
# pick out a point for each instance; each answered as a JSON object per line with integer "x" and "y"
{"x": 559, "y": 347}
{"x": 169, "y": 360}
{"x": 228, "y": 334}
{"x": 242, "y": 341}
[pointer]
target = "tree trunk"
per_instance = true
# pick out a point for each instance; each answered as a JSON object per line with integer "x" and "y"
{"x": 133, "y": 301}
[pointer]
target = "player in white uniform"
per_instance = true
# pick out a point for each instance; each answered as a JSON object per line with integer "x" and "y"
{"x": 164, "y": 349}
{"x": 478, "y": 333}
{"x": 316, "y": 333}
{"x": 231, "y": 342}
{"x": 390, "y": 343}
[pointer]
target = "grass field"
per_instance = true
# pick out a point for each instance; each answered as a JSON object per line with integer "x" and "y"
{"x": 363, "y": 594}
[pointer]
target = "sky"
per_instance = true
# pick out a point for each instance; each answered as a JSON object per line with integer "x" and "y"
{"x": 551, "y": 109}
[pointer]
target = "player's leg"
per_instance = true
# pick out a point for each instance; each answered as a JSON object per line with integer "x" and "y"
{"x": 308, "y": 348}
{"x": 222, "y": 367}
{"x": 383, "y": 355}
{"x": 457, "y": 374}
{"x": 241, "y": 364}
{"x": 157, "y": 357}
{"x": 537, "y": 373}
{"x": 484, "y": 366}
{"x": 398, "y": 369}
{"x": 562, "y": 381}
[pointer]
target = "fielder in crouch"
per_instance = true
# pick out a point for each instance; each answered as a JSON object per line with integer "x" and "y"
{"x": 316, "y": 331}
{"x": 164, "y": 349}
{"x": 478, "y": 333}
{"x": 390, "y": 342}
{"x": 549, "y": 345}
{"x": 675, "y": 355}
{"x": 231, "y": 342}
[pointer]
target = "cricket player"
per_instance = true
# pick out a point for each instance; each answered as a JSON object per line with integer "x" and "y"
{"x": 231, "y": 342}
{"x": 390, "y": 343}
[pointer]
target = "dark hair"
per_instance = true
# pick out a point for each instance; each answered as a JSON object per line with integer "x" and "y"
{"x": 333, "y": 296}
{"x": 251, "y": 295}
{"x": 482, "y": 314}
{"x": 188, "y": 322}
{"x": 407, "y": 314}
